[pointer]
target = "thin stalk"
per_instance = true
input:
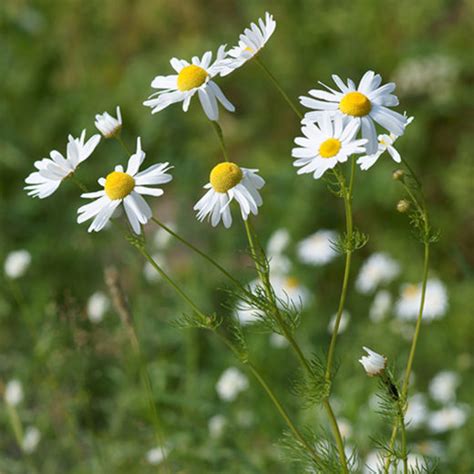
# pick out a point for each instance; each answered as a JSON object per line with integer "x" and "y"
{"x": 275, "y": 82}
{"x": 248, "y": 364}
{"x": 78, "y": 183}
{"x": 404, "y": 444}
{"x": 347, "y": 268}
{"x": 15, "y": 424}
{"x": 124, "y": 145}
{"x": 217, "y": 128}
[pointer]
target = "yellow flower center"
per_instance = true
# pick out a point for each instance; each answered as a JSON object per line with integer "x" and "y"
{"x": 225, "y": 176}
{"x": 118, "y": 185}
{"x": 329, "y": 148}
{"x": 411, "y": 291}
{"x": 292, "y": 283}
{"x": 356, "y": 104}
{"x": 190, "y": 77}
{"x": 248, "y": 49}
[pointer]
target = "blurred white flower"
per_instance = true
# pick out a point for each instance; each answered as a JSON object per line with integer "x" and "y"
{"x": 31, "y": 439}
{"x": 375, "y": 463}
{"x": 16, "y": 263}
{"x": 162, "y": 238}
{"x": 107, "y": 125}
{"x": 345, "y": 428}
{"x": 97, "y": 306}
{"x": 345, "y": 318}
{"x": 216, "y": 425}
{"x": 436, "y": 301}
{"x": 157, "y": 455}
{"x": 380, "y": 306}
{"x": 278, "y": 341}
{"x": 448, "y": 418}
{"x": 378, "y": 269}
{"x": 231, "y": 383}
{"x": 373, "y": 363}
{"x": 279, "y": 265}
{"x": 443, "y": 386}
{"x": 149, "y": 270}
{"x": 317, "y": 249}
{"x": 290, "y": 290}
{"x": 245, "y": 418}
{"x": 278, "y": 242}
{"x": 13, "y": 392}
{"x": 417, "y": 411}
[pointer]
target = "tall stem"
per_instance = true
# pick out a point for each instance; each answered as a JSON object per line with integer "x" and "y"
{"x": 347, "y": 268}
{"x": 275, "y": 82}
{"x": 217, "y": 128}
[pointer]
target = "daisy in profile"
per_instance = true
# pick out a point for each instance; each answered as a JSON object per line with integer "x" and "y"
{"x": 125, "y": 187}
{"x": 363, "y": 106}
{"x": 385, "y": 144}
{"x": 107, "y": 125}
{"x": 325, "y": 144}
{"x": 52, "y": 171}
{"x": 229, "y": 181}
{"x": 251, "y": 41}
{"x": 191, "y": 78}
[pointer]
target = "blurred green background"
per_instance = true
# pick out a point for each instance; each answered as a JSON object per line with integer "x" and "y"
{"x": 61, "y": 62}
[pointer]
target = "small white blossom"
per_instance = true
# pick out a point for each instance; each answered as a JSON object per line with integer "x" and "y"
{"x": 16, "y": 263}
{"x": 417, "y": 412}
{"x": 378, "y": 269}
{"x": 231, "y": 383}
{"x": 317, "y": 249}
{"x": 97, "y": 306}
{"x": 278, "y": 242}
{"x": 343, "y": 323}
{"x": 443, "y": 386}
{"x": 216, "y": 425}
{"x": 380, "y": 306}
{"x": 13, "y": 393}
{"x": 107, "y": 125}
{"x": 448, "y": 418}
{"x": 374, "y": 364}
{"x": 156, "y": 455}
{"x": 31, "y": 439}
{"x": 162, "y": 238}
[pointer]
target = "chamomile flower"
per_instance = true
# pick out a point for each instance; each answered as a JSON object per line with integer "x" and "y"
{"x": 318, "y": 248}
{"x": 378, "y": 269}
{"x": 373, "y": 363}
{"x": 125, "y": 187}
{"x": 251, "y": 41}
{"x": 385, "y": 144}
{"x": 107, "y": 125}
{"x": 325, "y": 144}
{"x": 363, "y": 106}
{"x": 191, "y": 78}
{"x": 229, "y": 181}
{"x": 52, "y": 171}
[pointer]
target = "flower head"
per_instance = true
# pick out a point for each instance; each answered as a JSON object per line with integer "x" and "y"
{"x": 373, "y": 363}
{"x": 31, "y": 439}
{"x": 125, "y": 187}
{"x": 228, "y": 181}
{"x": 107, "y": 125}
{"x": 318, "y": 249}
{"x": 191, "y": 78}
{"x": 52, "y": 171}
{"x": 362, "y": 106}
{"x": 325, "y": 144}
{"x": 16, "y": 263}
{"x": 251, "y": 41}
{"x": 443, "y": 386}
{"x": 13, "y": 393}
{"x": 448, "y": 418}
{"x": 378, "y": 269}
{"x": 231, "y": 383}
{"x": 97, "y": 306}
{"x": 385, "y": 143}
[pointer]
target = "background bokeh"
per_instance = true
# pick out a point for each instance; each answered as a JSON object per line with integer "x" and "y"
{"x": 61, "y": 62}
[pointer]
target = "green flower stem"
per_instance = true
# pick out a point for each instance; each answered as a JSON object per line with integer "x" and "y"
{"x": 275, "y": 82}
{"x": 124, "y": 145}
{"x": 15, "y": 424}
{"x": 78, "y": 183}
{"x": 217, "y": 128}
{"x": 248, "y": 364}
{"x": 264, "y": 278}
{"x": 347, "y": 268}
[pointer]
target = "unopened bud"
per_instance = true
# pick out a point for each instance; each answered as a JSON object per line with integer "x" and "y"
{"x": 403, "y": 206}
{"x": 398, "y": 175}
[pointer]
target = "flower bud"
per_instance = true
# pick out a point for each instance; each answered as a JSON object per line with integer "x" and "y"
{"x": 374, "y": 364}
{"x": 398, "y": 175}
{"x": 403, "y": 205}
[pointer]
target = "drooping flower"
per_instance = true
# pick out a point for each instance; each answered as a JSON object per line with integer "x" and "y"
{"x": 325, "y": 144}
{"x": 228, "y": 181}
{"x": 436, "y": 301}
{"x": 363, "y": 106}
{"x": 373, "y": 363}
{"x": 107, "y": 125}
{"x": 16, "y": 263}
{"x": 52, "y": 171}
{"x": 231, "y": 383}
{"x": 318, "y": 249}
{"x": 385, "y": 143}
{"x": 251, "y": 41}
{"x": 378, "y": 269}
{"x": 127, "y": 188}
{"x": 191, "y": 78}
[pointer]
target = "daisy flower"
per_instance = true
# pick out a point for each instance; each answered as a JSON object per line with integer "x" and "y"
{"x": 373, "y": 363}
{"x": 52, "y": 171}
{"x": 318, "y": 248}
{"x": 127, "y": 188}
{"x": 191, "y": 78}
{"x": 363, "y": 106}
{"x": 107, "y": 125}
{"x": 325, "y": 144}
{"x": 227, "y": 182}
{"x": 251, "y": 41}
{"x": 378, "y": 269}
{"x": 385, "y": 144}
